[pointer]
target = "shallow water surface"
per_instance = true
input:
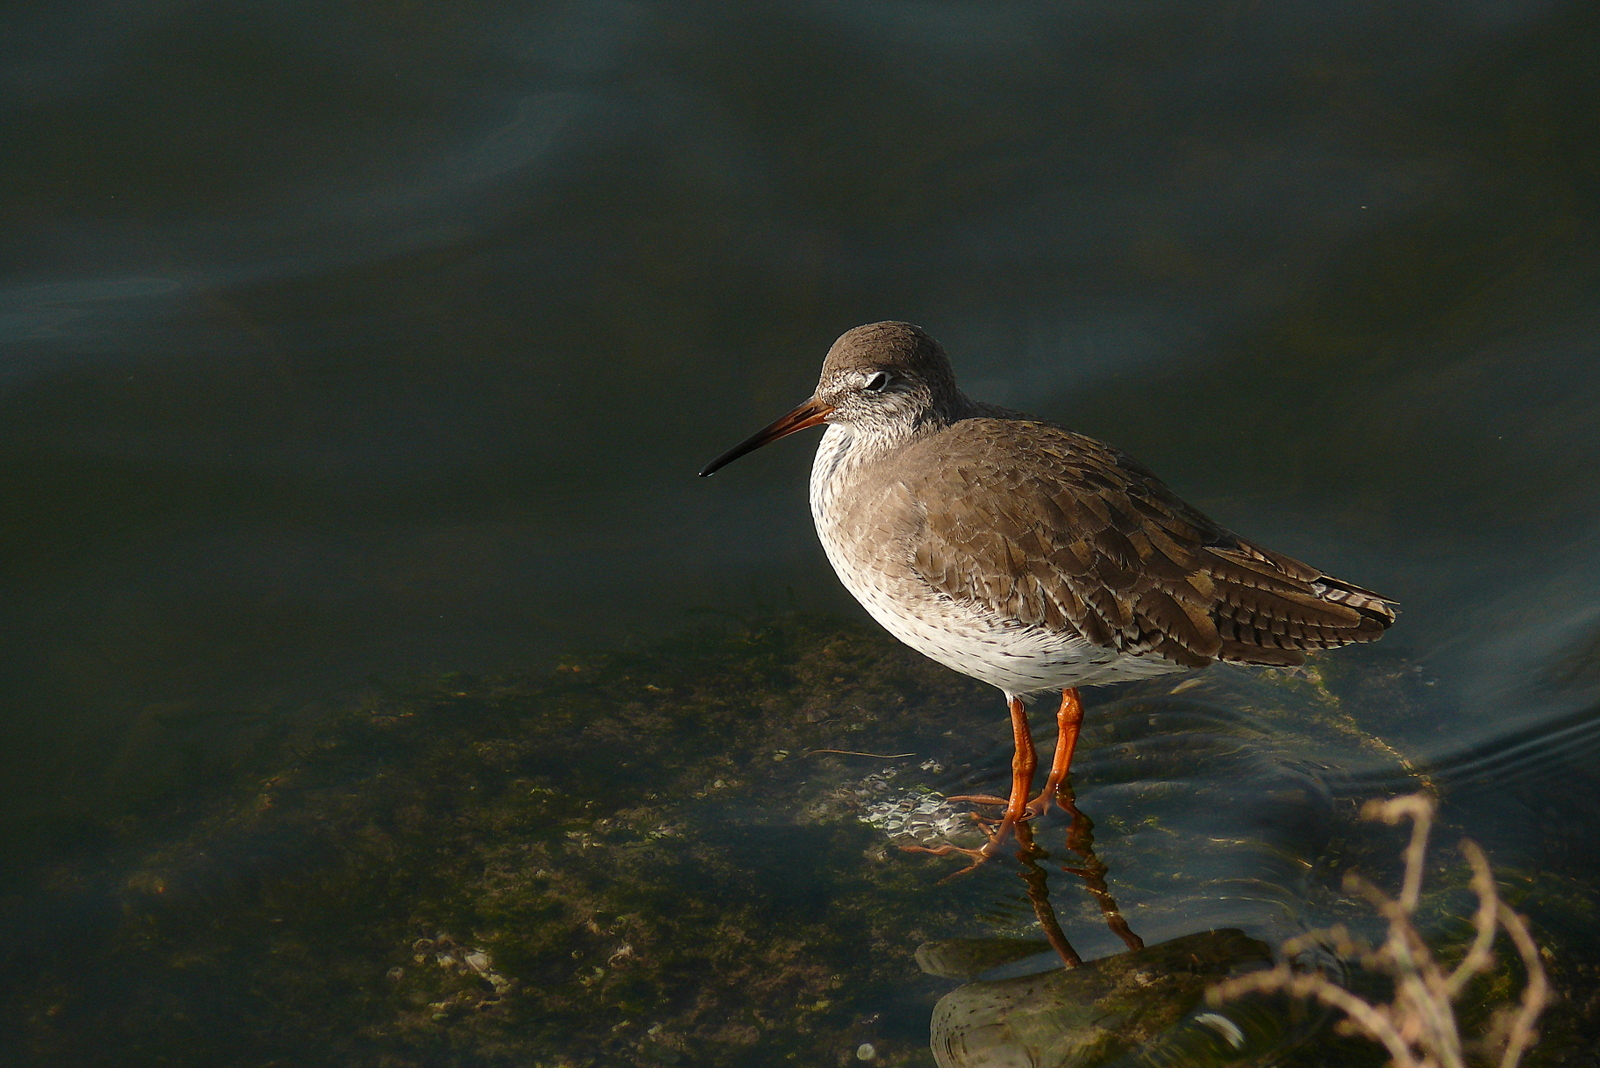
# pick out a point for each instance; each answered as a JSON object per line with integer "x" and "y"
{"x": 357, "y": 361}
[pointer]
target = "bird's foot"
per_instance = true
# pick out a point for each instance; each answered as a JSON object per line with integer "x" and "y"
{"x": 1031, "y": 811}
{"x": 980, "y": 799}
{"x": 997, "y": 831}
{"x": 984, "y": 822}
{"x": 1042, "y": 803}
{"x": 979, "y": 857}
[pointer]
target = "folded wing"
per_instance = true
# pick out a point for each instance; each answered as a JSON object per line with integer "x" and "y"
{"x": 1073, "y": 535}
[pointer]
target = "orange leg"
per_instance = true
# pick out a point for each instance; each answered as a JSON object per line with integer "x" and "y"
{"x": 1024, "y": 762}
{"x": 1068, "y": 719}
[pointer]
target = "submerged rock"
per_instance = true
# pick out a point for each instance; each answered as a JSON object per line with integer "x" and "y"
{"x": 1099, "y": 1011}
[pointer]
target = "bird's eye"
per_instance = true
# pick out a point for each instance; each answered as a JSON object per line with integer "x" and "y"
{"x": 878, "y": 382}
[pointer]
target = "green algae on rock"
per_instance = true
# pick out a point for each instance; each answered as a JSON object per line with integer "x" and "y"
{"x": 1094, "y": 1013}
{"x": 634, "y": 859}
{"x": 599, "y": 865}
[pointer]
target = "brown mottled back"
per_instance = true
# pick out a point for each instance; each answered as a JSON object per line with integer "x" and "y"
{"x": 1049, "y": 527}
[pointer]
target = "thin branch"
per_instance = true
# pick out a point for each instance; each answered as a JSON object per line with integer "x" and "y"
{"x": 1478, "y": 958}
{"x": 1420, "y": 808}
{"x": 1374, "y": 1021}
{"x": 1534, "y": 996}
{"x": 1419, "y": 1027}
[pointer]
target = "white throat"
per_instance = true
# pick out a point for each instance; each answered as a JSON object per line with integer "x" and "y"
{"x": 836, "y": 453}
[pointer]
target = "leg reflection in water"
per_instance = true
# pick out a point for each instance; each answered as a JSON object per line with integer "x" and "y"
{"x": 1080, "y": 840}
{"x": 1092, "y": 870}
{"x": 1039, "y": 896}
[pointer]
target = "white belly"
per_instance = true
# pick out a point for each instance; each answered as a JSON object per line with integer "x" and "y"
{"x": 964, "y": 636}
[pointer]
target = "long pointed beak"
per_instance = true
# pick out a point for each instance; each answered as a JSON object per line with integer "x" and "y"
{"x": 810, "y": 413}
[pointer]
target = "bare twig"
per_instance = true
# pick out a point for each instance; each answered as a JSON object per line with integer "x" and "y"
{"x": 1534, "y": 996}
{"x": 1478, "y": 958}
{"x": 1418, "y": 1027}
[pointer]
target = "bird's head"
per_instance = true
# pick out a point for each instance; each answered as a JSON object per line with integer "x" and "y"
{"x": 882, "y": 380}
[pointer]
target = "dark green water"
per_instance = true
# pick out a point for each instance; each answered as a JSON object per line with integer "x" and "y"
{"x": 343, "y": 347}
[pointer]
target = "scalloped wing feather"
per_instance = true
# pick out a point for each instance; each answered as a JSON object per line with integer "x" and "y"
{"x": 1070, "y": 534}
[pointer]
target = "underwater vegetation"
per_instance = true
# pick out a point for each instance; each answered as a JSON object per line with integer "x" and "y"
{"x": 681, "y": 855}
